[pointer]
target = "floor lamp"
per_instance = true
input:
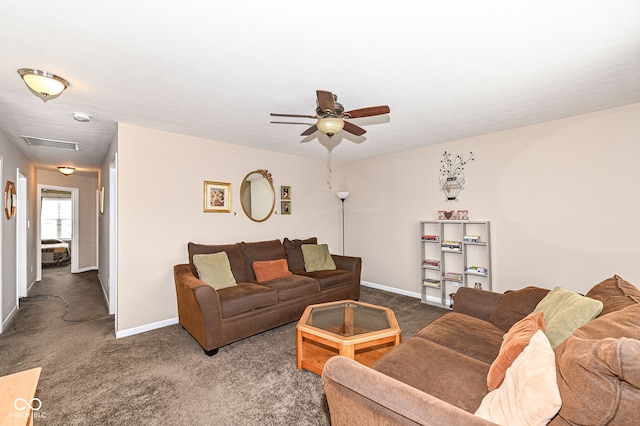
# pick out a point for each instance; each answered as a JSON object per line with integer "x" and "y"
{"x": 343, "y": 196}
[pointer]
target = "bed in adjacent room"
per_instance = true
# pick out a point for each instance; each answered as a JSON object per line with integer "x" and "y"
{"x": 55, "y": 252}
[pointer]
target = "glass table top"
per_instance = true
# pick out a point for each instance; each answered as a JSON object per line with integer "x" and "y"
{"x": 348, "y": 318}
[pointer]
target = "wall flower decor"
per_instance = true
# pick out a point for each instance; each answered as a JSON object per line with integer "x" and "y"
{"x": 452, "y": 174}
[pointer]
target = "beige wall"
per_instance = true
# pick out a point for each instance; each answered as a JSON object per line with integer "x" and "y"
{"x": 562, "y": 198}
{"x": 160, "y": 209}
{"x": 104, "y": 260}
{"x": 12, "y": 161}
{"x": 87, "y": 187}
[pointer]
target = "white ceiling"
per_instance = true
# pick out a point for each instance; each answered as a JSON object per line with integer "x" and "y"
{"x": 448, "y": 70}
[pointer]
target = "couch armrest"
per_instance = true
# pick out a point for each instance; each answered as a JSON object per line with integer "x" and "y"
{"x": 352, "y": 264}
{"x": 476, "y": 302}
{"x": 359, "y": 395}
{"x": 199, "y": 309}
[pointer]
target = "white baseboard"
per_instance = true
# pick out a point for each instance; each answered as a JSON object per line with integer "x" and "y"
{"x": 88, "y": 268}
{"x": 391, "y": 289}
{"x": 147, "y": 327}
{"x": 7, "y": 320}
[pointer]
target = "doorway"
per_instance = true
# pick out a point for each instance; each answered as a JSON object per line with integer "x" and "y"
{"x": 58, "y": 212}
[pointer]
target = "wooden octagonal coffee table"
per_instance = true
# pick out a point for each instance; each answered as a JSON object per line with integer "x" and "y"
{"x": 357, "y": 330}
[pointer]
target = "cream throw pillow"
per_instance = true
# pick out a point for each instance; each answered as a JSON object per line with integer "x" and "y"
{"x": 529, "y": 394}
{"x": 565, "y": 312}
{"x": 317, "y": 257}
{"x": 214, "y": 269}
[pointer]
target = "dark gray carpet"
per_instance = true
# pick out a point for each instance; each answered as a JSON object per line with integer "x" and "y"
{"x": 163, "y": 377}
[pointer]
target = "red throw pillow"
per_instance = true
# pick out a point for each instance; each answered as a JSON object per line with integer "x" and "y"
{"x": 516, "y": 339}
{"x": 267, "y": 270}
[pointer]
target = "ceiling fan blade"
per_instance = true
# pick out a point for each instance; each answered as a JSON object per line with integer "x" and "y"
{"x": 353, "y": 129}
{"x": 309, "y": 131}
{"x": 290, "y": 122}
{"x": 293, "y": 115}
{"x": 325, "y": 100}
{"x": 368, "y": 112}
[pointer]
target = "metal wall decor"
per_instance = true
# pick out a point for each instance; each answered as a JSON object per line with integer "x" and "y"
{"x": 452, "y": 174}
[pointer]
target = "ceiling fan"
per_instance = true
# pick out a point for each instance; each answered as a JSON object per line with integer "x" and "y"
{"x": 331, "y": 116}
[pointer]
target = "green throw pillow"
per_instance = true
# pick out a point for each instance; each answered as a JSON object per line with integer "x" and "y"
{"x": 317, "y": 257}
{"x": 565, "y": 312}
{"x": 214, "y": 269}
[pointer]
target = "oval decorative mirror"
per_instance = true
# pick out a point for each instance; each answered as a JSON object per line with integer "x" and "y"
{"x": 10, "y": 199}
{"x": 257, "y": 195}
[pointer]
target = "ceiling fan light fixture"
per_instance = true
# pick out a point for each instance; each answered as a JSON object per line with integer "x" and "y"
{"x": 330, "y": 125}
{"x": 43, "y": 84}
{"x": 66, "y": 170}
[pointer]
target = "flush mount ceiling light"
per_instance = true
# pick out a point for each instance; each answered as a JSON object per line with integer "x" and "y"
{"x": 66, "y": 170}
{"x": 43, "y": 84}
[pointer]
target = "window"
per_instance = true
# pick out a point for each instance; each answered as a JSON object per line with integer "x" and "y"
{"x": 56, "y": 218}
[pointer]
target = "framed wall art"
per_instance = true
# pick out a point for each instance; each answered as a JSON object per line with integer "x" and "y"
{"x": 285, "y": 192}
{"x": 10, "y": 199}
{"x": 285, "y": 207}
{"x": 217, "y": 197}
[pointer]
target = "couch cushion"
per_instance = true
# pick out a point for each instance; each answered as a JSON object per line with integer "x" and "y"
{"x": 516, "y": 305}
{"x": 214, "y": 269}
{"x": 467, "y": 335}
{"x": 599, "y": 381}
{"x": 260, "y": 250}
{"x": 266, "y": 270}
{"x": 529, "y": 394}
{"x": 317, "y": 257}
{"x": 582, "y": 359}
{"x": 514, "y": 342}
{"x": 294, "y": 252}
{"x": 293, "y": 287}
{"x": 329, "y": 279}
{"x": 615, "y": 293}
{"x": 245, "y": 297}
{"x": 437, "y": 370}
{"x": 564, "y": 312}
{"x": 234, "y": 253}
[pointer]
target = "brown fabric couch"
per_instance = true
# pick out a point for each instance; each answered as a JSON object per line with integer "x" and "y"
{"x": 439, "y": 376}
{"x": 218, "y": 317}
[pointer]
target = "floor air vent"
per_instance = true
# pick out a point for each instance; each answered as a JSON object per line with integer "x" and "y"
{"x": 50, "y": 143}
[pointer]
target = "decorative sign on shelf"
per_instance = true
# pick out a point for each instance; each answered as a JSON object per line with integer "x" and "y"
{"x": 453, "y": 215}
{"x": 452, "y": 174}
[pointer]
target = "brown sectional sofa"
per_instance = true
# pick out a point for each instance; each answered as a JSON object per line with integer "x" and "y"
{"x": 439, "y": 376}
{"x": 218, "y": 317}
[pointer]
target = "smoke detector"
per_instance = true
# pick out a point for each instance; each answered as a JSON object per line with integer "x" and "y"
{"x": 81, "y": 117}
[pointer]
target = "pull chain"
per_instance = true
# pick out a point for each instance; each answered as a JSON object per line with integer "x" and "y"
{"x": 329, "y": 168}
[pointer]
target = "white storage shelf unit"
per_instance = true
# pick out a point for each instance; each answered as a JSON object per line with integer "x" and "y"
{"x": 454, "y": 253}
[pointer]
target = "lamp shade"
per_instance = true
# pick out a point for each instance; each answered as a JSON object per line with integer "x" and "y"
{"x": 343, "y": 195}
{"x": 43, "y": 84}
{"x": 66, "y": 170}
{"x": 330, "y": 125}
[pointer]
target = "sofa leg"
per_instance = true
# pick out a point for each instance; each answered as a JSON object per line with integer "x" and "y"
{"x": 212, "y": 352}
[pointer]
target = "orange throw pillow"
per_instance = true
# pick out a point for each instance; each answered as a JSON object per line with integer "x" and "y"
{"x": 516, "y": 339}
{"x": 267, "y": 270}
